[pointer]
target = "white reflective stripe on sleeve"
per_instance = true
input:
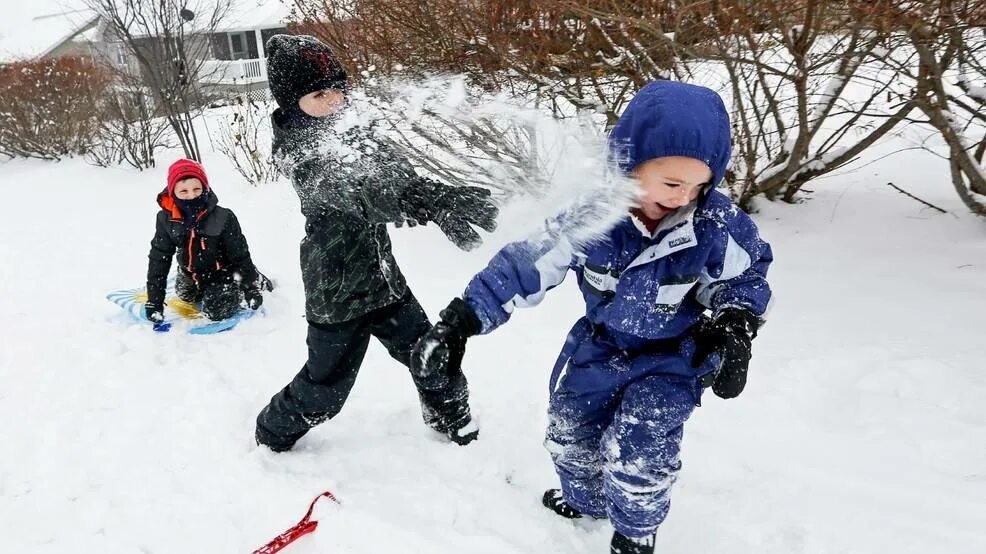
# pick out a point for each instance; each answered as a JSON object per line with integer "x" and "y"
{"x": 735, "y": 261}
{"x": 551, "y": 268}
{"x": 673, "y": 294}
{"x": 561, "y": 376}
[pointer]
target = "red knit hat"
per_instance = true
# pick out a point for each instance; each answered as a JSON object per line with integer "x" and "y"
{"x": 183, "y": 169}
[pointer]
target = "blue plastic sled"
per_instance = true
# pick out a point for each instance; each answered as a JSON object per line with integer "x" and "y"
{"x": 132, "y": 302}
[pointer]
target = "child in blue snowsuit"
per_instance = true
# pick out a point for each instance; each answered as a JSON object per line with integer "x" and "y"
{"x": 674, "y": 295}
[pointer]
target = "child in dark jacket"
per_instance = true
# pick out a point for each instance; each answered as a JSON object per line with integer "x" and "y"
{"x": 214, "y": 265}
{"x": 674, "y": 295}
{"x": 354, "y": 288}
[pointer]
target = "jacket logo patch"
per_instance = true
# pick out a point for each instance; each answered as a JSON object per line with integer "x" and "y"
{"x": 599, "y": 280}
{"x": 679, "y": 241}
{"x": 594, "y": 279}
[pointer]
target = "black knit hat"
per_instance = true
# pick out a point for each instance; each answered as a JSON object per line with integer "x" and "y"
{"x": 298, "y": 65}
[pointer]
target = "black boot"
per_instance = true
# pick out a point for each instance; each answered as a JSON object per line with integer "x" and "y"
{"x": 626, "y": 545}
{"x": 553, "y": 501}
{"x": 265, "y": 437}
{"x": 275, "y": 445}
{"x": 463, "y": 431}
{"x": 447, "y": 411}
{"x": 456, "y": 424}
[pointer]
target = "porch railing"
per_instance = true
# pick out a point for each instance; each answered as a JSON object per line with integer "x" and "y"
{"x": 229, "y": 72}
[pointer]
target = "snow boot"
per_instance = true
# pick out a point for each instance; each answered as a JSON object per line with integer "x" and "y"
{"x": 263, "y": 440}
{"x": 450, "y": 415}
{"x": 554, "y": 501}
{"x": 462, "y": 431}
{"x": 270, "y": 440}
{"x": 626, "y": 545}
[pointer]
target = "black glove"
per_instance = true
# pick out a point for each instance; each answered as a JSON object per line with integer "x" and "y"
{"x": 730, "y": 334}
{"x": 154, "y": 312}
{"x": 253, "y": 298}
{"x": 439, "y": 352}
{"x": 453, "y": 209}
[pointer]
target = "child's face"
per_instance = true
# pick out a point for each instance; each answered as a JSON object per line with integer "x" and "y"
{"x": 188, "y": 189}
{"x": 669, "y": 183}
{"x": 322, "y": 103}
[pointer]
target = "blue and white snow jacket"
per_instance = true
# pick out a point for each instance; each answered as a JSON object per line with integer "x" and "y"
{"x": 640, "y": 287}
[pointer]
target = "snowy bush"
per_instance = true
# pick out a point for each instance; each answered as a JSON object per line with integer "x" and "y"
{"x": 244, "y": 137}
{"x": 943, "y": 76}
{"x": 557, "y": 53}
{"x": 790, "y": 69}
{"x": 128, "y": 131}
{"x": 803, "y": 80}
{"x": 170, "y": 63}
{"x": 48, "y": 108}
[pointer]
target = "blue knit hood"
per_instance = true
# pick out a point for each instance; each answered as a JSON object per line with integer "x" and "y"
{"x": 668, "y": 118}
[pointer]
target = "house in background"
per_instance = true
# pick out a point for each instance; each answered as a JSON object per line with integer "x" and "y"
{"x": 231, "y": 60}
{"x": 238, "y": 64}
{"x": 56, "y": 35}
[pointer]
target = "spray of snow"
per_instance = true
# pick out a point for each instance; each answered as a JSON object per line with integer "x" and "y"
{"x": 547, "y": 168}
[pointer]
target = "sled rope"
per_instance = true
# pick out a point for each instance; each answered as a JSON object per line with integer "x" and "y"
{"x": 302, "y": 528}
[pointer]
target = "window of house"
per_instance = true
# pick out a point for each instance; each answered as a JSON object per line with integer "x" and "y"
{"x": 243, "y": 45}
{"x": 238, "y": 45}
{"x": 220, "y": 46}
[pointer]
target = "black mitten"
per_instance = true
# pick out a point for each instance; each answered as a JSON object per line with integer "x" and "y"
{"x": 730, "y": 334}
{"x": 254, "y": 299}
{"x": 154, "y": 312}
{"x": 439, "y": 352}
{"x": 453, "y": 209}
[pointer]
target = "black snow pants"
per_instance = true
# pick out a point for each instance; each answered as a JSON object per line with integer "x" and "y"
{"x": 335, "y": 353}
{"x": 220, "y": 295}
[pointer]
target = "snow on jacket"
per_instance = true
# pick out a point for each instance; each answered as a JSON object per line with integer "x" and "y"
{"x": 640, "y": 287}
{"x": 347, "y": 264}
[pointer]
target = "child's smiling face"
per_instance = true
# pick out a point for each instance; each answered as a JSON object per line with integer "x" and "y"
{"x": 188, "y": 189}
{"x": 668, "y": 183}
{"x": 322, "y": 103}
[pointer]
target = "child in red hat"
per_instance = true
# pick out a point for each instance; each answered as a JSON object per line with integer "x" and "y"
{"x": 214, "y": 265}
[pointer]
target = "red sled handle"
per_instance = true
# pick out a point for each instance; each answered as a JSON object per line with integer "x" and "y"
{"x": 302, "y": 528}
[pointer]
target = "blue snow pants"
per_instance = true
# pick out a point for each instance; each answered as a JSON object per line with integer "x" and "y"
{"x": 615, "y": 425}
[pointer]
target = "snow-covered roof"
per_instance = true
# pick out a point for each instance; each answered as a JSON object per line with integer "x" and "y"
{"x": 43, "y": 34}
{"x": 247, "y": 15}
{"x": 93, "y": 34}
{"x": 243, "y": 15}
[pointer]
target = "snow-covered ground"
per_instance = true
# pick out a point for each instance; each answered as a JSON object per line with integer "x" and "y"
{"x": 863, "y": 429}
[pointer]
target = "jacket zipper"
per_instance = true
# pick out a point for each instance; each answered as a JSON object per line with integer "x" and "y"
{"x": 191, "y": 244}
{"x": 191, "y": 239}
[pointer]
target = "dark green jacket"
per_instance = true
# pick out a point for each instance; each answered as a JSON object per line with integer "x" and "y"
{"x": 350, "y": 187}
